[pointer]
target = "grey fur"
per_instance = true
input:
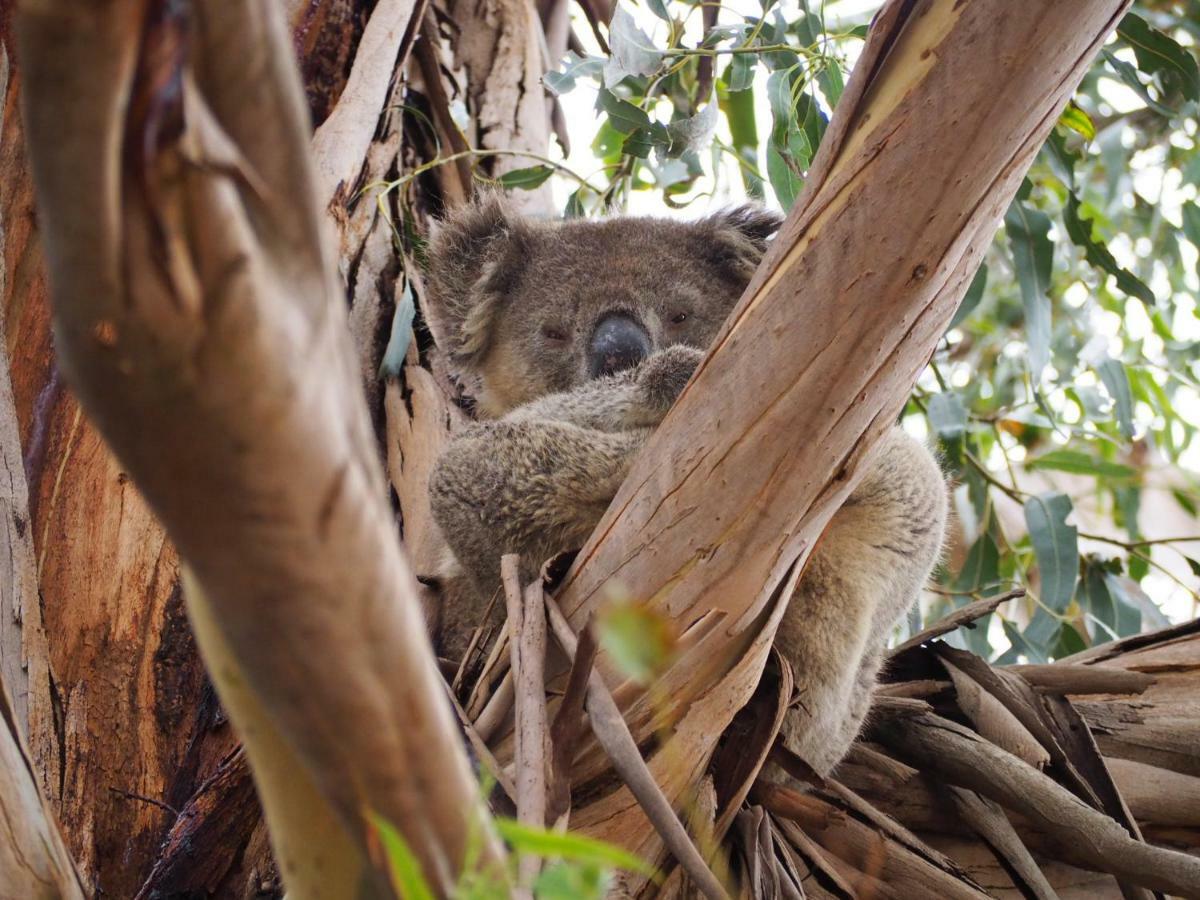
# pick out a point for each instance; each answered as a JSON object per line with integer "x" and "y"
{"x": 514, "y": 301}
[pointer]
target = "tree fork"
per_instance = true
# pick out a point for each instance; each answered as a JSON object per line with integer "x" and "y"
{"x": 923, "y": 156}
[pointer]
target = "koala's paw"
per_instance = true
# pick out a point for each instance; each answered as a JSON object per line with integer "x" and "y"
{"x": 661, "y": 378}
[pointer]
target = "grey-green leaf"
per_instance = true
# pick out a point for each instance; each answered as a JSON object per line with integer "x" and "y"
{"x": 972, "y": 297}
{"x": 632, "y": 51}
{"x": 1116, "y": 382}
{"x": 1160, "y": 54}
{"x": 526, "y": 179}
{"x": 1033, "y": 253}
{"x": 947, "y": 415}
{"x": 1056, "y": 546}
{"x": 1079, "y": 230}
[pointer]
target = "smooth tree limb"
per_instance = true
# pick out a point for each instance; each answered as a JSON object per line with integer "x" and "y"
{"x": 198, "y": 316}
{"x": 940, "y": 121}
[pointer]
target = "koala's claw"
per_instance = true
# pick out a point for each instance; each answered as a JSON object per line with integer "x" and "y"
{"x": 661, "y": 379}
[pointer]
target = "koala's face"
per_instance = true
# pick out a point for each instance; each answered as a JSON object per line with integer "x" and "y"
{"x": 533, "y": 307}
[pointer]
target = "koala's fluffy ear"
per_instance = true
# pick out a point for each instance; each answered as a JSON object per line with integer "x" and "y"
{"x": 474, "y": 256}
{"x": 740, "y": 236}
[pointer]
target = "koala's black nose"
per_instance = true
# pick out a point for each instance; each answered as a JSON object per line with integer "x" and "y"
{"x": 618, "y": 343}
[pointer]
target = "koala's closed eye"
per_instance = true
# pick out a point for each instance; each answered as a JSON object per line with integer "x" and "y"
{"x": 554, "y": 332}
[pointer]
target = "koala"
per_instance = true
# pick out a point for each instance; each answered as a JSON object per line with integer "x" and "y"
{"x": 581, "y": 334}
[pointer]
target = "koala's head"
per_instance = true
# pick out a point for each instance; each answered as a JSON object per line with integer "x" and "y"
{"x": 534, "y": 306}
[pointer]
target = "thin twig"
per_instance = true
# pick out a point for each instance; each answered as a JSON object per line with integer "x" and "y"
{"x": 129, "y": 795}
{"x": 481, "y": 750}
{"x": 527, "y": 645}
{"x": 613, "y": 735}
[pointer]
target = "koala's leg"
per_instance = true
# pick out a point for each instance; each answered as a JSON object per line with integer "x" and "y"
{"x": 530, "y": 487}
{"x": 864, "y": 574}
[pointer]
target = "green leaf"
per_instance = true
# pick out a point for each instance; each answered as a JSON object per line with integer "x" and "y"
{"x": 1100, "y": 604}
{"x": 403, "y": 870}
{"x": 526, "y": 179}
{"x": 1079, "y": 463}
{"x": 740, "y": 74}
{"x": 1069, "y": 642}
{"x": 640, "y": 640}
{"x": 1160, "y": 54}
{"x": 659, "y": 8}
{"x": 693, "y": 132}
{"x": 1080, "y": 232}
{"x": 639, "y": 143}
{"x": 1128, "y": 592}
{"x": 572, "y": 881}
{"x": 982, "y": 566}
{"x": 1128, "y": 74}
{"x": 574, "y": 208}
{"x": 569, "y": 846}
{"x": 972, "y": 297}
{"x": 1022, "y": 645}
{"x": 1033, "y": 253}
{"x": 1078, "y": 121}
{"x": 574, "y": 68}
{"x": 631, "y": 50}
{"x": 1056, "y": 546}
{"x": 1116, "y": 381}
{"x": 785, "y": 181}
{"x": 1186, "y": 503}
{"x": 738, "y": 108}
{"x": 947, "y": 415}
{"x": 622, "y": 115}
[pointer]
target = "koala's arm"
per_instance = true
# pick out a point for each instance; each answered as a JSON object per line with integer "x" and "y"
{"x": 635, "y": 398}
{"x": 530, "y": 487}
{"x": 865, "y": 572}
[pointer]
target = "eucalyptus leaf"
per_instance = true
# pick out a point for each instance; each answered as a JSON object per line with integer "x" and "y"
{"x": 632, "y": 50}
{"x": 947, "y": 415}
{"x": 1080, "y": 232}
{"x": 1116, "y": 382}
{"x": 1056, "y": 546}
{"x": 694, "y": 132}
{"x": 1078, "y": 121}
{"x": 400, "y": 336}
{"x": 1129, "y": 75}
{"x": 574, "y": 68}
{"x": 1080, "y": 463}
{"x": 740, "y": 75}
{"x": 526, "y": 179}
{"x": 622, "y": 115}
{"x": 1033, "y": 254}
{"x": 972, "y": 297}
{"x": 1160, "y": 54}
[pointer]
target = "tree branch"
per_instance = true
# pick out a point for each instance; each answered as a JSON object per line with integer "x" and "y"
{"x": 199, "y": 319}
